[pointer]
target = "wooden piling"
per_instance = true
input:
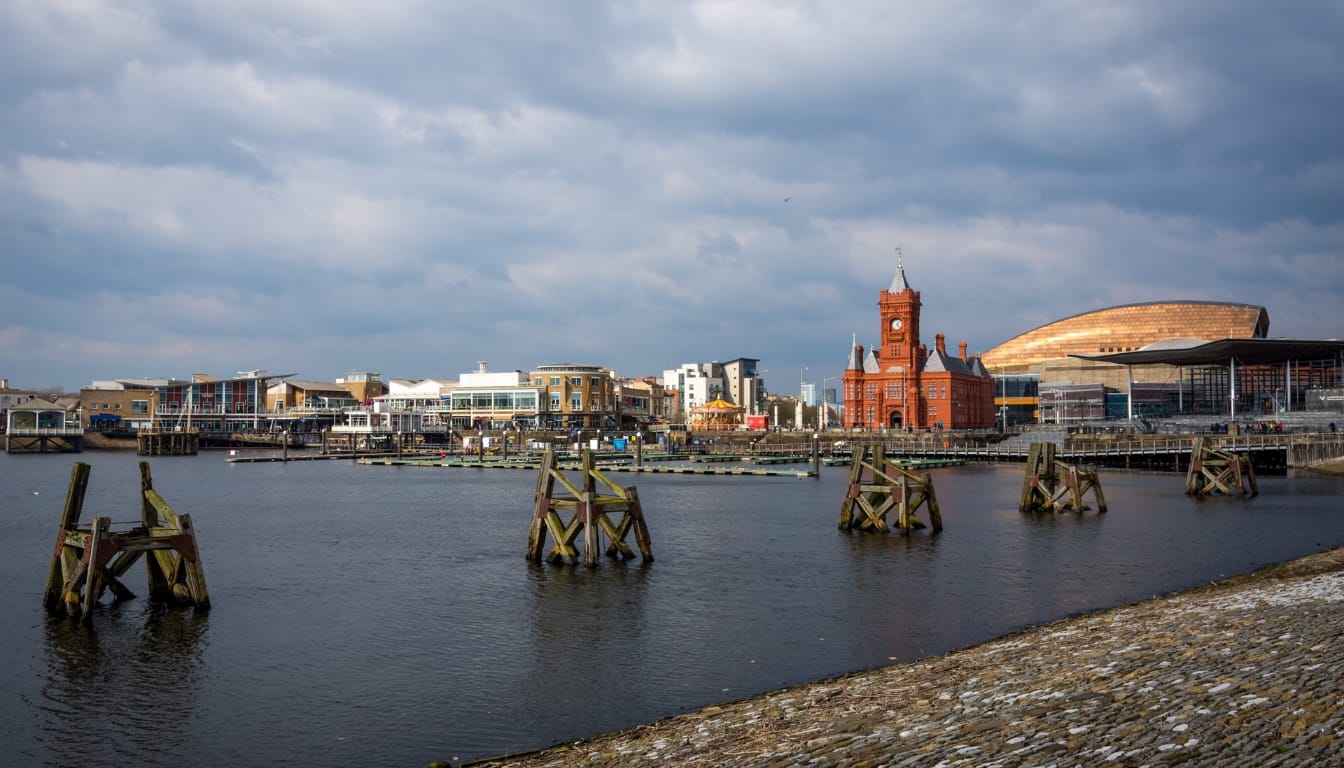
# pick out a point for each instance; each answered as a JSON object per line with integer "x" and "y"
{"x": 877, "y": 486}
{"x": 1051, "y": 485}
{"x": 87, "y": 561}
{"x": 591, "y": 510}
{"x": 1213, "y": 470}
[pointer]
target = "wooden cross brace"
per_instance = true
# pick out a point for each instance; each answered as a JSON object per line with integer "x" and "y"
{"x": 1217, "y": 471}
{"x": 1053, "y": 485}
{"x": 591, "y": 516}
{"x": 88, "y": 561}
{"x": 887, "y": 486}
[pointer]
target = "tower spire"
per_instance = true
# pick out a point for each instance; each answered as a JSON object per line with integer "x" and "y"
{"x": 898, "y": 282}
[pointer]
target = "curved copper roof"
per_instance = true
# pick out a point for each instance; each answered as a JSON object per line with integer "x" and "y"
{"x": 1130, "y": 327}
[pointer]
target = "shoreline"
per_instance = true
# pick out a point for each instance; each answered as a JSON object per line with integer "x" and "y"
{"x": 1246, "y": 669}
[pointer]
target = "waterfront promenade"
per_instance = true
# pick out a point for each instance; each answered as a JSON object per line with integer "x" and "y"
{"x": 1245, "y": 671}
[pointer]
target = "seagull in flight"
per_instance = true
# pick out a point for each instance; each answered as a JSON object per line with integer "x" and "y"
{"x": 787, "y": 199}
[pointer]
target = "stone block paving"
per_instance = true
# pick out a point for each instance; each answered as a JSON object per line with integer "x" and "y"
{"x": 1246, "y": 672}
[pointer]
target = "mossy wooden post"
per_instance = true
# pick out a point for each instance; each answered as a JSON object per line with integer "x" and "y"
{"x": 91, "y": 560}
{"x": 63, "y": 560}
{"x": 877, "y": 486}
{"x": 1217, "y": 471}
{"x": 591, "y": 509}
{"x": 1042, "y": 489}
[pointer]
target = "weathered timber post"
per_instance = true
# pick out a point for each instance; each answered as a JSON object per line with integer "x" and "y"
{"x": 590, "y": 509}
{"x": 1217, "y": 471}
{"x": 816, "y": 455}
{"x": 639, "y": 449}
{"x": 888, "y": 485}
{"x": 1042, "y": 489}
{"x": 88, "y": 561}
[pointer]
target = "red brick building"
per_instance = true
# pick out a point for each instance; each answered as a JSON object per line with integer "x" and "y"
{"x": 901, "y": 384}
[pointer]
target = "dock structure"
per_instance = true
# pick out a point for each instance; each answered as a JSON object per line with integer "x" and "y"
{"x": 168, "y": 442}
{"x": 1051, "y": 485}
{"x": 90, "y": 559}
{"x": 877, "y": 486}
{"x": 590, "y": 511}
{"x": 1213, "y": 470}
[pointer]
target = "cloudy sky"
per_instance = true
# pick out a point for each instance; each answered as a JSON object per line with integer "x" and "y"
{"x": 402, "y": 187}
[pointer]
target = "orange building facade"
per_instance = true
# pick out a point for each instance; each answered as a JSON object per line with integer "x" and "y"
{"x": 901, "y": 384}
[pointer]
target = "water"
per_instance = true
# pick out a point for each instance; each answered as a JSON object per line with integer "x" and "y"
{"x": 387, "y": 616}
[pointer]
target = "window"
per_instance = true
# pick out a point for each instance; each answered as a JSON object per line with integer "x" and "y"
{"x": 555, "y": 401}
{"x": 576, "y": 402}
{"x": 139, "y": 406}
{"x": 576, "y": 381}
{"x": 536, "y": 382}
{"x": 555, "y": 381}
{"x": 596, "y": 381}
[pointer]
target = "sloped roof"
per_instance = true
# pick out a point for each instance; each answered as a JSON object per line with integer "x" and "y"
{"x": 940, "y": 361}
{"x": 870, "y": 364}
{"x": 1244, "y": 351}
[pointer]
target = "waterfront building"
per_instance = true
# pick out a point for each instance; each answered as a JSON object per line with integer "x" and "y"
{"x": 577, "y": 396}
{"x": 486, "y": 400}
{"x": 1131, "y": 360}
{"x": 213, "y": 404}
{"x": 121, "y": 403}
{"x": 901, "y": 384}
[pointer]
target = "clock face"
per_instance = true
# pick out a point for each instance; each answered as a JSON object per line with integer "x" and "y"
{"x": 896, "y": 324}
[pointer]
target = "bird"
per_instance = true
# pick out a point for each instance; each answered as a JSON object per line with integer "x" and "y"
{"x": 787, "y": 199}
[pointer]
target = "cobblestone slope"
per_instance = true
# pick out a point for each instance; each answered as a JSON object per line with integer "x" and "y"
{"x": 1248, "y": 671}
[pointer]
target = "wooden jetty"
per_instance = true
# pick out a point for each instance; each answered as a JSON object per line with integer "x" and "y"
{"x": 1053, "y": 485}
{"x": 89, "y": 560}
{"x": 168, "y": 442}
{"x": 590, "y": 515}
{"x": 1213, "y": 470}
{"x": 879, "y": 485}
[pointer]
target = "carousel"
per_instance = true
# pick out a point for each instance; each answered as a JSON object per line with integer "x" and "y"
{"x": 717, "y": 416}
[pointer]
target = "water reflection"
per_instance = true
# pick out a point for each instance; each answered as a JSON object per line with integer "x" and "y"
{"x": 145, "y": 666}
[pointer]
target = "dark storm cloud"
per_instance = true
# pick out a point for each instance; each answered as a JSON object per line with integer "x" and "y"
{"x": 412, "y": 187}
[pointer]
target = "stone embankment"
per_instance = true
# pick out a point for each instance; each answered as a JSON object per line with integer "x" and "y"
{"x": 1246, "y": 671}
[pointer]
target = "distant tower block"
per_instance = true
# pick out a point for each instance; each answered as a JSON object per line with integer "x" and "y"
{"x": 1216, "y": 471}
{"x": 878, "y": 486}
{"x": 1054, "y": 486}
{"x": 90, "y": 560}
{"x": 590, "y": 515}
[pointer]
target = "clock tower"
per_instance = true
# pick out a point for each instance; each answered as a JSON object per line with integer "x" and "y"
{"x": 899, "y": 308}
{"x": 902, "y": 386}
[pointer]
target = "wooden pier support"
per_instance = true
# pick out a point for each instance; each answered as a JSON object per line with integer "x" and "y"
{"x": 590, "y": 510}
{"x": 89, "y": 560}
{"x": 1213, "y": 470}
{"x": 877, "y": 486}
{"x": 166, "y": 442}
{"x": 1052, "y": 485}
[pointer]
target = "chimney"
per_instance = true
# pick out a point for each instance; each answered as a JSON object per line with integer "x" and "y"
{"x": 940, "y": 341}
{"x": 480, "y": 366}
{"x": 4, "y": 383}
{"x": 961, "y": 350}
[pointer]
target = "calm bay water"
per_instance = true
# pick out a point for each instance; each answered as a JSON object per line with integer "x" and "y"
{"x": 386, "y": 615}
